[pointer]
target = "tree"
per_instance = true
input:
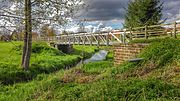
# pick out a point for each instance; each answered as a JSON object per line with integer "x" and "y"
{"x": 43, "y": 30}
{"x": 143, "y": 12}
{"x": 27, "y": 37}
{"x": 51, "y": 32}
{"x": 47, "y": 31}
{"x": 34, "y": 13}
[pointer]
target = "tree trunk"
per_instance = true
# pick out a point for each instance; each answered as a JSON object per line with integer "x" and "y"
{"x": 27, "y": 37}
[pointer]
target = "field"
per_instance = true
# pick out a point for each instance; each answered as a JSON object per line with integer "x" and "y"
{"x": 156, "y": 78}
{"x": 44, "y": 60}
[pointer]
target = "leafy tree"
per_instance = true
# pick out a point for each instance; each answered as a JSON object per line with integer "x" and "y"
{"x": 47, "y": 31}
{"x": 43, "y": 30}
{"x": 51, "y": 32}
{"x": 30, "y": 14}
{"x": 143, "y": 12}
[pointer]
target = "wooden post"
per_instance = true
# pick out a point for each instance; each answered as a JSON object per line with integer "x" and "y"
{"x": 124, "y": 36}
{"x": 175, "y": 30}
{"x": 107, "y": 39}
{"x": 171, "y": 33}
{"x": 146, "y": 33}
{"x": 131, "y": 33}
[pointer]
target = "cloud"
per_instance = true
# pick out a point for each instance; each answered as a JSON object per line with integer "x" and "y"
{"x": 110, "y": 10}
{"x": 105, "y": 10}
{"x": 171, "y": 10}
{"x": 90, "y": 29}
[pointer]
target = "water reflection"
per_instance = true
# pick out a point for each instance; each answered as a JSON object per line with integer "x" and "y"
{"x": 99, "y": 56}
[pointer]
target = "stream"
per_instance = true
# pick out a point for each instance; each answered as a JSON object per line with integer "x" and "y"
{"x": 99, "y": 56}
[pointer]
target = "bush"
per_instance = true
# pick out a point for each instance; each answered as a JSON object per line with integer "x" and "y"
{"x": 43, "y": 48}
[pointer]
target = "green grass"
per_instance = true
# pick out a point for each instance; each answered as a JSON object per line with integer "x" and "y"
{"x": 7, "y": 54}
{"x": 161, "y": 60}
{"x": 97, "y": 67}
{"x": 178, "y": 36}
{"x": 52, "y": 87}
{"x": 44, "y": 59}
{"x": 150, "y": 40}
{"x": 84, "y": 51}
{"x": 154, "y": 79}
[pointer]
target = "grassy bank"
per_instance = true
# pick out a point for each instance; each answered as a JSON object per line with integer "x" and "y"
{"x": 156, "y": 78}
{"x": 45, "y": 59}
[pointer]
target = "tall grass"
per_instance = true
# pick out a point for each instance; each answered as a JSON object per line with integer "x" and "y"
{"x": 99, "y": 81}
{"x": 44, "y": 59}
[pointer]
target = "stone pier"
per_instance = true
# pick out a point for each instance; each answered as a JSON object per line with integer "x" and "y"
{"x": 124, "y": 52}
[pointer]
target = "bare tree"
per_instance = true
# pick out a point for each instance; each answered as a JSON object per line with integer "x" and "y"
{"x": 31, "y": 14}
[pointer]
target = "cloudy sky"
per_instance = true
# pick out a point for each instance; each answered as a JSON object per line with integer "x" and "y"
{"x": 111, "y": 12}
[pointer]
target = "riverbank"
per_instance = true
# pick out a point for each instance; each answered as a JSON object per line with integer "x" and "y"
{"x": 45, "y": 59}
{"x": 155, "y": 78}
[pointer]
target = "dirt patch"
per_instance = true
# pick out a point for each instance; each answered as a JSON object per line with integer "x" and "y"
{"x": 172, "y": 75}
{"x": 176, "y": 69}
{"x": 138, "y": 72}
{"x": 146, "y": 69}
{"x": 79, "y": 76}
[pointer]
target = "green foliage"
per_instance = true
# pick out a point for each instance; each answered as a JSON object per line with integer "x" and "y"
{"x": 107, "y": 89}
{"x": 101, "y": 80}
{"x": 143, "y": 12}
{"x": 110, "y": 55}
{"x": 146, "y": 41}
{"x": 162, "y": 52}
{"x": 10, "y": 73}
{"x": 123, "y": 68}
{"x": 45, "y": 59}
{"x": 43, "y": 48}
{"x": 97, "y": 67}
{"x": 39, "y": 48}
{"x": 133, "y": 89}
{"x": 46, "y": 31}
{"x": 161, "y": 60}
{"x": 84, "y": 51}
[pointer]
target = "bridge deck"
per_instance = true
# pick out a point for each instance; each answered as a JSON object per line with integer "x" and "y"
{"x": 118, "y": 36}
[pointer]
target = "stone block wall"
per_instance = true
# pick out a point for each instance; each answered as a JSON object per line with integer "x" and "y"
{"x": 124, "y": 52}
